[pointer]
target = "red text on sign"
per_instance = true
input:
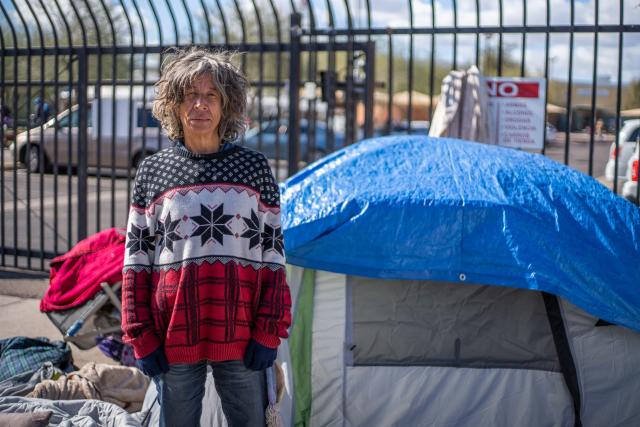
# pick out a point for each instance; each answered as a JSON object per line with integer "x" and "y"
{"x": 513, "y": 89}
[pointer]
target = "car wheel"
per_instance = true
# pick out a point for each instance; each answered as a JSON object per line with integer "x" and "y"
{"x": 32, "y": 159}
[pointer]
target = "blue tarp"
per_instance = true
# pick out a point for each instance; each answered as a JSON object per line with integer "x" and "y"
{"x": 414, "y": 207}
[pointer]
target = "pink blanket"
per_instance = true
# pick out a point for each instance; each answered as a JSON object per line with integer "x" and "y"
{"x": 75, "y": 277}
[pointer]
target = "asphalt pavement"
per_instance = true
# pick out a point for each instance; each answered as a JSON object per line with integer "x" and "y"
{"x": 20, "y": 294}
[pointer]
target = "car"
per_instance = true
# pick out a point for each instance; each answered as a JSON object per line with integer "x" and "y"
{"x": 126, "y": 153}
{"x": 418, "y": 127}
{"x": 278, "y": 129}
{"x": 630, "y": 187}
{"x": 626, "y": 144}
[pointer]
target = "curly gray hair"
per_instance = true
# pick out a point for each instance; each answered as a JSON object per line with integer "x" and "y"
{"x": 180, "y": 69}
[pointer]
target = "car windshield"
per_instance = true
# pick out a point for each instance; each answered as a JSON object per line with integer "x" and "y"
{"x": 75, "y": 119}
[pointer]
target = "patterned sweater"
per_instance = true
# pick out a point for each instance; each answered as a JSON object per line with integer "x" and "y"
{"x": 204, "y": 262}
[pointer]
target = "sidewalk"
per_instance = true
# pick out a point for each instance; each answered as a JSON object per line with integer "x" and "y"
{"x": 20, "y": 294}
{"x": 7, "y": 163}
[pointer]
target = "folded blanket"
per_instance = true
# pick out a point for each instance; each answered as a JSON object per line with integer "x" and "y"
{"x": 120, "y": 385}
{"x": 23, "y": 354}
{"x": 71, "y": 413}
{"x": 24, "y": 383}
{"x": 75, "y": 277}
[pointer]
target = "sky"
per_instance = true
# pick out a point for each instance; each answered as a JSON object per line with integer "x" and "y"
{"x": 388, "y": 13}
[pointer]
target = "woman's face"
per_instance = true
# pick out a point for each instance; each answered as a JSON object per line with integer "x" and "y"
{"x": 201, "y": 110}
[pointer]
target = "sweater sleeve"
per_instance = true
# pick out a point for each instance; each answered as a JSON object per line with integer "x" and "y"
{"x": 273, "y": 316}
{"x": 137, "y": 319}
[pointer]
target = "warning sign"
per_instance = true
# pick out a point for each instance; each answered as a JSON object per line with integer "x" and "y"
{"x": 517, "y": 111}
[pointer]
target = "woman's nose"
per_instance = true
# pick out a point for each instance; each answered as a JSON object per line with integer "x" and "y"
{"x": 199, "y": 102}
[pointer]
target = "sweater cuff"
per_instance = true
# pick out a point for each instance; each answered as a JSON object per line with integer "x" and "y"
{"x": 145, "y": 344}
{"x": 265, "y": 339}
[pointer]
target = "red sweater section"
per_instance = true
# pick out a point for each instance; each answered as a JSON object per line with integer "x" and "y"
{"x": 205, "y": 311}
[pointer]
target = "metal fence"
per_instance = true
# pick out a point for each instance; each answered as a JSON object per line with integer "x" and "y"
{"x": 76, "y": 81}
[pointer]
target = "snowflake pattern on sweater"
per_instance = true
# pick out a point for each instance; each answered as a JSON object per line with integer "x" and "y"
{"x": 204, "y": 265}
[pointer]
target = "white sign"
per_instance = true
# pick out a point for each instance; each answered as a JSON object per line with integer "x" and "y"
{"x": 517, "y": 111}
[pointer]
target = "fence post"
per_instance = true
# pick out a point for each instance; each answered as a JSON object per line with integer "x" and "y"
{"x": 370, "y": 85}
{"x": 294, "y": 94}
{"x": 82, "y": 143}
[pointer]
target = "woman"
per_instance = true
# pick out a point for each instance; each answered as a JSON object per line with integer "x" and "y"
{"x": 204, "y": 279}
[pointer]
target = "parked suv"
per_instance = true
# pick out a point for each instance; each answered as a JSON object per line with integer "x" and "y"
{"x": 308, "y": 152}
{"x": 112, "y": 152}
{"x": 626, "y": 144}
{"x": 630, "y": 188}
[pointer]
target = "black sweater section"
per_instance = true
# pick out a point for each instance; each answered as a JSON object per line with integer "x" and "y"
{"x": 177, "y": 167}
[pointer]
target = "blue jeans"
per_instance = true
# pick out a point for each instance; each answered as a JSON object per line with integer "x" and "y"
{"x": 243, "y": 394}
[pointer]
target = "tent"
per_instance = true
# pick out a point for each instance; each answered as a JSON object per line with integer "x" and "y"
{"x": 438, "y": 282}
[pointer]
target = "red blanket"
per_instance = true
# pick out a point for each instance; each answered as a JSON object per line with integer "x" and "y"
{"x": 75, "y": 277}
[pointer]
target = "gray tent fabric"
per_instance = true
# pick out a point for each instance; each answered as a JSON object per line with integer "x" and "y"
{"x": 407, "y": 322}
{"x": 434, "y": 396}
{"x": 463, "y": 109}
{"x": 608, "y": 364}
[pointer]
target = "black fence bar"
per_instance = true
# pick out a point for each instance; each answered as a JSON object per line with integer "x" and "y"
{"x": 594, "y": 91}
{"x": 332, "y": 47}
{"x": 569, "y": 117}
{"x": 40, "y": 152}
{"x": 278, "y": 84}
{"x": 16, "y": 252}
{"x": 500, "y": 37}
{"x": 294, "y": 93}
{"x": 260, "y": 71}
{"x": 618, "y": 100}
{"x": 370, "y": 72}
{"x": 125, "y": 82}
{"x": 390, "y": 81}
{"x": 524, "y": 40}
{"x": 112, "y": 152}
{"x": 546, "y": 70}
{"x": 243, "y": 26}
{"x": 455, "y": 34}
{"x": 130, "y": 103}
{"x": 249, "y": 48}
{"x": 98, "y": 125}
{"x": 28, "y": 177}
{"x": 14, "y": 106}
{"x": 410, "y": 67}
{"x": 56, "y": 97}
{"x": 511, "y": 29}
{"x": 349, "y": 101}
{"x": 82, "y": 147}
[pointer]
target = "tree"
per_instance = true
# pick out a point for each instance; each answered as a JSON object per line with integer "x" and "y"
{"x": 36, "y": 69}
{"x": 631, "y": 95}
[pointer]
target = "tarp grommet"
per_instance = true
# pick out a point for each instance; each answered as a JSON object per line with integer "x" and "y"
{"x": 462, "y": 277}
